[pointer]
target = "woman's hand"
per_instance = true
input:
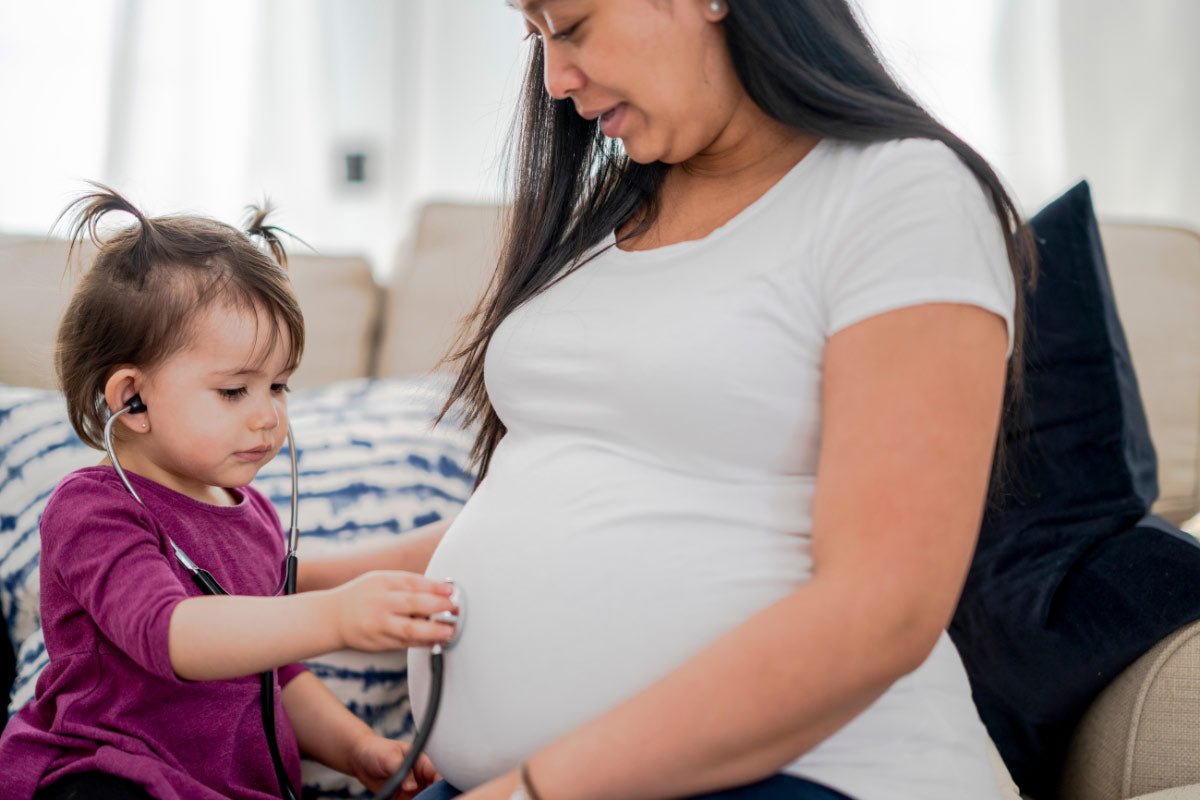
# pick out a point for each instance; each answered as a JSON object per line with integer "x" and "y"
{"x": 373, "y": 759}
{"x": 390, "y": 610}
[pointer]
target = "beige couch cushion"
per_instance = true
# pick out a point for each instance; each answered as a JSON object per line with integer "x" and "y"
{"x": 36, "y": 287}
{"x": 339, "y": 296}
{"x": 1179, "y": 793}
{"x": 1156, "y": 278}
{"x": 342, "y": 304}
{"x": 1142, "y": 734}
{"x": 449, "y": 260}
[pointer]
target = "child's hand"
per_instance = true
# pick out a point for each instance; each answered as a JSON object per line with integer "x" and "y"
{"x": 374, "y": 759}
{"x": 390, "y": 610}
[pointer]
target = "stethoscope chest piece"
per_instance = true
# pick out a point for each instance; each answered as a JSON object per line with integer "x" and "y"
{"x": 452, "y": 618}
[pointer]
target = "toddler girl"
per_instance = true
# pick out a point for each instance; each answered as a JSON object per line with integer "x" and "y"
{"x": 152, "y": 688}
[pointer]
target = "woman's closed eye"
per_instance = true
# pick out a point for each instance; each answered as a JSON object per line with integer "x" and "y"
{"x": 557, "y": 34}
{"x": 280, "y": 388}
{"x": 566, "y": 34}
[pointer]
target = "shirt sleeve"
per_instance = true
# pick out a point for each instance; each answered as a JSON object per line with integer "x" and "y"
{"x": 918, "y": 228}
{"x": 288, "y": 672}
{"x": 101, "y": 545}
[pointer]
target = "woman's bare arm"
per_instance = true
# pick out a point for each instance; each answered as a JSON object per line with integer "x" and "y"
{"x": 409, "y": 552}
{"x": 911, "y": 403}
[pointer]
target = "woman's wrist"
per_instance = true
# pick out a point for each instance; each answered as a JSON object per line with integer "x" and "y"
{"x": 526, "y": 790}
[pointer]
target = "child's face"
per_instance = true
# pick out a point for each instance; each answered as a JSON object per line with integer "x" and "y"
{"x": 216, "y": 410}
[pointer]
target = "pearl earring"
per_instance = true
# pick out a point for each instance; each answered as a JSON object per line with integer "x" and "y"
{"x": 716, "y": 6}
{"x": 143, "y": 426}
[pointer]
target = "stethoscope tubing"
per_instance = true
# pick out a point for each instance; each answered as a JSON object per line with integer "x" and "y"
{"x": 209, "y": 586}
{"x": 422, "y": 736}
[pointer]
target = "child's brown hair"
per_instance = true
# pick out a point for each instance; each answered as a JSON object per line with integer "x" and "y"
{"x": 136, "y": 304}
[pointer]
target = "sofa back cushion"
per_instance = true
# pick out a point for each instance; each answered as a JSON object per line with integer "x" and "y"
{"x": 443, "y": 270}
{"x": 1155, "y": 273}
{"x": 339, "y": 296}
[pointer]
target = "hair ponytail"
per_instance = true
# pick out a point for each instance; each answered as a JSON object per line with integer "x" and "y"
{"x": 140, "y": 249}
{"x": 257, "y": 229}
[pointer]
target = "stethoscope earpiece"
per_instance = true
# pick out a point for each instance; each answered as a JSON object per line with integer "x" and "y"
{"x": 135, "y": 405}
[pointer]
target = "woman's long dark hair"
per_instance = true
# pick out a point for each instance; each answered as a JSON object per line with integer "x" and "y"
{"x": 806, "y": 63}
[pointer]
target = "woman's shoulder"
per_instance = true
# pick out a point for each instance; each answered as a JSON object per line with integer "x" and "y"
{"x": 904, "y": 162}
{"x": 902, "y": 180}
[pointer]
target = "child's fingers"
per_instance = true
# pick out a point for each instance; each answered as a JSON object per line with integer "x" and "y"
{"x": 420, "y": 605}
{"x": 412, "y": 582}
{"x": 425, "y": 772}
{"x": 423, "y": 775}
{"x": 418, "y": 631}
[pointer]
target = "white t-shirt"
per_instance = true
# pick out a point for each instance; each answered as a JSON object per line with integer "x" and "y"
{"x": 655, "y": 486}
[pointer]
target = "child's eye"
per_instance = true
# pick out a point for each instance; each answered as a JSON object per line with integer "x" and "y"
{"x": 280, "y": 388}
{"x": 232, "y": 394}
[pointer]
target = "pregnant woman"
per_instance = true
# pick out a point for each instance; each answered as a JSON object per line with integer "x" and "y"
{"x": 739, "y": 380}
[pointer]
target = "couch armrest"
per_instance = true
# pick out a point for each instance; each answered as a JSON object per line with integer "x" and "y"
{"x": 1179, "y": 793}
{"x": 1142, "y": 734}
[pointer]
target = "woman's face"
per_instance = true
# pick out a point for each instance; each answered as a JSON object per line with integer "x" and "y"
{"x": 656, "y": 73}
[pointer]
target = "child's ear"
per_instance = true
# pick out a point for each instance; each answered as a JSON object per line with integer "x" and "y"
{"x": 120, "y": 387}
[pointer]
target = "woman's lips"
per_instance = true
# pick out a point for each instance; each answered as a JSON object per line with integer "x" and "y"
{"x": 257, "y": 454}
{"x": 610, "y": 121}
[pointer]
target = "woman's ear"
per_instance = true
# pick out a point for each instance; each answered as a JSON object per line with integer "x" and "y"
{"x": 123, "y": 385}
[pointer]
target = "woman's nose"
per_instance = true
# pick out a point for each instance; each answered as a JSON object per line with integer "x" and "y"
{"x": 561, "y": 76}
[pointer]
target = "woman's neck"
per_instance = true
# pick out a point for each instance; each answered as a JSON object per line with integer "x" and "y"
{"x": 751, "y": 147}
{"x": 711, "y": 188}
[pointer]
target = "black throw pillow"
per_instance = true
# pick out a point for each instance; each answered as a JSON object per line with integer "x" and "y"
{"x": 1071, "y": 581}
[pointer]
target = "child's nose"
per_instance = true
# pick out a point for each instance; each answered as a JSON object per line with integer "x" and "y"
{"x": 265, "y": 416}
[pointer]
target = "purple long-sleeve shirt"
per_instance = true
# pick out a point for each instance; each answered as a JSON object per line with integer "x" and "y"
{"x": 109, "y": 699}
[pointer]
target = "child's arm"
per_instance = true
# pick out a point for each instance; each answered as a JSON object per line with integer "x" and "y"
{"x": 327, "y": 732}
{"x": 410, "y": 553}
{"x": 219, "y": 637}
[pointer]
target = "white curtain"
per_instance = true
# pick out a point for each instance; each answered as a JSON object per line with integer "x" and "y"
{"x": 209, "y": 106}
{"x": 1052, "y": 91}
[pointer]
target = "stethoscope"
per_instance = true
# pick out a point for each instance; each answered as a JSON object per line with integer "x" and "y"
{"x": 208, "y": 584}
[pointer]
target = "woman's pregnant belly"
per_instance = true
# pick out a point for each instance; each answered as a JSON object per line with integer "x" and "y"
{"x": 586, "y": 578}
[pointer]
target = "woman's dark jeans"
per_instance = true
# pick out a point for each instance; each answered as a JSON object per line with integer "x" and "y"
{"x": 781, "y": 787}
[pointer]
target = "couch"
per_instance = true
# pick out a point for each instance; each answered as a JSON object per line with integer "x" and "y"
{"x": 1140, "y": 737}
